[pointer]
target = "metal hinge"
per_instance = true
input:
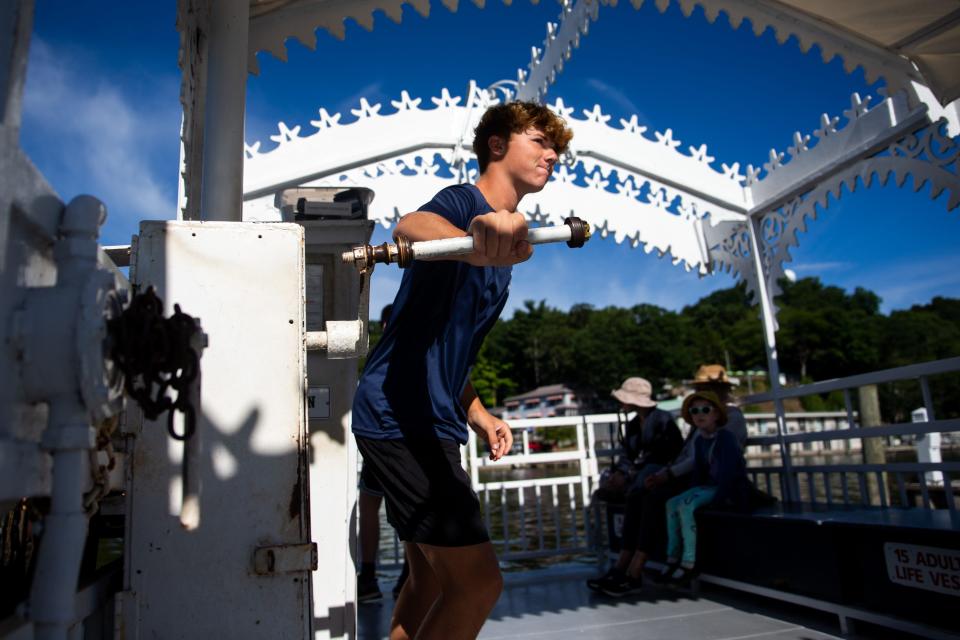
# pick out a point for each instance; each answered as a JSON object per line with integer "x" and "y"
{"x": 285, "y": 558}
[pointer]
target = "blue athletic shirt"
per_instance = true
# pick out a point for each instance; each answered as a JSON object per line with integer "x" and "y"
{"x": 414, "y": 377}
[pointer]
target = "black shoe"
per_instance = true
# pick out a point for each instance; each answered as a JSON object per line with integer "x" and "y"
{"x": 662, "y": 577}
{"x": 625, "y": 586}
{"x": 368, "y": 590}
{"x": 597, "y": 583}
{"x": 682, "y": 577}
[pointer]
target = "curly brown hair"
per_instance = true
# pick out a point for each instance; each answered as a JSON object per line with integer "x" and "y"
{"x": 516, "y": 117}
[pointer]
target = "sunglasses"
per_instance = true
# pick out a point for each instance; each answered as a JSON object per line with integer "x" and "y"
{"x": 704, "y": 410}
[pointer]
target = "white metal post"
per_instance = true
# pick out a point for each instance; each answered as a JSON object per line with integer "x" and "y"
{"x": 50, "y": 330}
{"x": 16, "y": 20}
{"x": 222, "y": 191}
{"x": 773, "y": 365}
{"x": 928, "y": 445}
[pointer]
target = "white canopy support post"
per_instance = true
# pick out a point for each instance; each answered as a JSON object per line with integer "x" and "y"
{"x": 222, "y": 191}
{"x": 706, "y": 262}
{"x": 192, "y": 23}
{"x": 562, "y": 38}
{"x": 791, "y": 493}
{"x": 459, "y": 158}
{"x": 16, "y": 20}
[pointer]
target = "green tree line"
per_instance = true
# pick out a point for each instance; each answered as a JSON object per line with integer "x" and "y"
{"x": 824, "y": 332}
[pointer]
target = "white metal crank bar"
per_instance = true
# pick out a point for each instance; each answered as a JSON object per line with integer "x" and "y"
{"x": 574, "y": 231}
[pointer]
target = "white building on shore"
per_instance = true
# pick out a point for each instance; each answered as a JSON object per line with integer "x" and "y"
{"x": 548, "y": 401}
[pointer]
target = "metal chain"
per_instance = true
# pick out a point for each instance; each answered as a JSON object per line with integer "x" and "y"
{"x": 100, "y": 473}
{"x": 18, "y": 543}
{"x": 156, "y": 354}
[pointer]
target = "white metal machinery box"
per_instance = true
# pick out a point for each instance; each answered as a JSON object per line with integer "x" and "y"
{"x": 245, "y": 283}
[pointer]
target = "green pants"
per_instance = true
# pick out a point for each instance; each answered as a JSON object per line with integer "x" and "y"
{"x": 681, "y": 525}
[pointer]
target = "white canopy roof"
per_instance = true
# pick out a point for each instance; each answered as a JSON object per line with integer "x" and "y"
{"x": 925, "y": 31}
{"x": 650, "y": 189}
{"x": 900, "y": 40}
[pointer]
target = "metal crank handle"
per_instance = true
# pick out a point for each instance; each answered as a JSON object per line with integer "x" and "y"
{"x": 574, "y": 231}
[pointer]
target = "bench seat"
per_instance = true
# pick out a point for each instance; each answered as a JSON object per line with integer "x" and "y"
{"x": 837, "y": 554}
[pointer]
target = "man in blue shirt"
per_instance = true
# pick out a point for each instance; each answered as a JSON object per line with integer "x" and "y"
{"x": 414, "y": 401}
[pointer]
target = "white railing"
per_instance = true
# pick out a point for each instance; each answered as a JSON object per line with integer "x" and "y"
{"x": 830, "y": 484}
{"x": 537, "y": 503}
{"x": 545, "y": 511}
{"x": 765, "y": 424}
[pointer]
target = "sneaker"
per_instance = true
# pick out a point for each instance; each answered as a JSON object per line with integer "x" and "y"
{"x": 597, "y": 583}
{"x": 368, "y": 590}
{"x": 662, "y": 577}
{"x": 681, "y": 577}
{"x": 625, "y": 586}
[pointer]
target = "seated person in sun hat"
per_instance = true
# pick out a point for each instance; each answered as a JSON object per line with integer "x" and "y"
{"x": 648, "y": 441}
{"x": 713, "y": 378}
{"x": 719, "y": 478}
{"x": 644, "y": 511}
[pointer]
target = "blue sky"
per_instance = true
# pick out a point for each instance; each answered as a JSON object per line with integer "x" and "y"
{"x": 102, "y": 116}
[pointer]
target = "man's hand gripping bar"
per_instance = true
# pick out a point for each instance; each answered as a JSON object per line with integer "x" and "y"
{"x": 574, "y": 231}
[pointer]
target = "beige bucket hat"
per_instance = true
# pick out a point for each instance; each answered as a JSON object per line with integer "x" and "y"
{"x": 636, "y": 392}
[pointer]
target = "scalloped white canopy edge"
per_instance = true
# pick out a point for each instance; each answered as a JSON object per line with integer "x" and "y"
{"x": 901, "y": 40}
{"x": 377, "y": 151}
{"x": 612, "y": 165}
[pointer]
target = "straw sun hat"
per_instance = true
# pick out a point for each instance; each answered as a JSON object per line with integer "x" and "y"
{"x": 711, "y": 374}
{"x": 636, "y": 392}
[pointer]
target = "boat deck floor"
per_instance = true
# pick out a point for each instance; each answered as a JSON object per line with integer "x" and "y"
{"x": 555, "y": 603}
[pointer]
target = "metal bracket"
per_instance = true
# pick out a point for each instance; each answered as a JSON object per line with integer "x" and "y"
{"x": 285, "y": 558}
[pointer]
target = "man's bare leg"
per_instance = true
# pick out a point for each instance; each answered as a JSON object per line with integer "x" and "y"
{"x": 420, "y": 590}
{"x": 369, "y": 526}
{"x": 639, "y": 560}
{"x": 470, "y": 585}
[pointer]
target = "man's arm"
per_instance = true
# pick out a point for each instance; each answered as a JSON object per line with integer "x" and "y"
{"x": 492, "y": 429}
{"x": 499, "y": 237}
{"x": 423, "y": 225}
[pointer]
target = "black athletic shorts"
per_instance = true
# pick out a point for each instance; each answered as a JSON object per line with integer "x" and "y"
{"x": 368, "y": 482}
{"x": 428, "y": 494}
